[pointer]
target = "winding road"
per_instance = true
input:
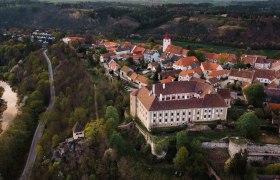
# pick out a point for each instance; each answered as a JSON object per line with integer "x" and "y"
{"x": 40, "y": 128}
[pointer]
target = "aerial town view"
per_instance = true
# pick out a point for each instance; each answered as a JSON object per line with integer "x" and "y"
{"x": 139, "y": 89}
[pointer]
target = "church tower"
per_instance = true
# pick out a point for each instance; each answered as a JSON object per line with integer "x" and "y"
{"x": 166, "y": 42}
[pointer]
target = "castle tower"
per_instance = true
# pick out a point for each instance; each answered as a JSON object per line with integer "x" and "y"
{"x": 166, "y": 42}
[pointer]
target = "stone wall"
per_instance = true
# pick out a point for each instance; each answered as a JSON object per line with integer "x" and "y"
{"x": 213, "y": 145}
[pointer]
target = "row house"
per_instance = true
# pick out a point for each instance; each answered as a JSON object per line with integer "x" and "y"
{"x": 251, "y": 59}
{"x": 177, "y": 103}
{"x": 113, "y": 65}
{"x": 244, "y": 76}
{"x": 219, "y": 74}
{"x": 215, "y": 57}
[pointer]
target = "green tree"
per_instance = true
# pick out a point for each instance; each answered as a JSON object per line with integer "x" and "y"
{"x": 249, "y": 125}
{"x": 180, "y": 160}
{"x": 93, "y": 129}
{"x": 118, "y": 142}
{"x": 158, "y": 70}
{"x": 222, "y": 60}
{"x": 237, "y": 165}
{"x": 273, "y": 168}
{"x": 112, "y": 113}
{"x": 55, "y": 140}
{"x": 181, "y": 139}
{"x": 255, "y": 94}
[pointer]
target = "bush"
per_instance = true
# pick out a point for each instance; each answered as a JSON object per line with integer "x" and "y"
{"x": 273, "y": 169}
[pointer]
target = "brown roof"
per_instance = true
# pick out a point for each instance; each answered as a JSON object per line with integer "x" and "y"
{"x": 218, "y": 72}
{"x": 209, "y": 65}
{"x": 142, "y": 79}
{"x": 242, "y": 73}
{"x": 262, "y": 60}
{"x": 250, "y": 59}
{"x": 169, "y": 79}
{"x": 197, "y": 80}
{"x": 173, "y": 73}
{"x": 224, "y": 93}
{"x": 213, "y": 80}
{"x": 186, "y": 61}
{"x": 177, "y": 87}
{"x": 126, "y": 69}
{"x": 133, "y": 76}
{"x": 174, "y": 49}
{"x": 265, "y": 73}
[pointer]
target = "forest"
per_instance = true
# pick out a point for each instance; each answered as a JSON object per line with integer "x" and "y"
{"x": 239, "y": 24}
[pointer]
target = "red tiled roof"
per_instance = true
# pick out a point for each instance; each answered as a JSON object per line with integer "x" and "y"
{"x": 218, "y": 72}
{"x": 174, "y": 49}
{"x": 133, "y": 76}
{"x": 138, "y": 49}
{"x": 112, "y": 64}
{"x": 273, "y": 106}
{"x": 169, "y": 79}
{"x": 265, "y": 73}
{"x": 209, "y": 66}
{"x": 197, "y": 80}
{"x": 185, "y": 61}
{"x": 126, "y": 69}
{"x": 242, "y": 73}
{"x": 142, "y": 79}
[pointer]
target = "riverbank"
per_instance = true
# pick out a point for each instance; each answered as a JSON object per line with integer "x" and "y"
{"x": 9, "y": 108}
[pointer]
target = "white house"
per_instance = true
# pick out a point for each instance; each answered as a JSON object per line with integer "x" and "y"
{"x": 113, "y": 65}
{"x": 207, "y": 66}
{"x": 188, "y": 74}
{"x": 78, "y": 131}
{"x": 219, "y": 74}
{"x": 151, "y": 55}
{"x": 262, "y": 63}
{"x": 185, "y": 63}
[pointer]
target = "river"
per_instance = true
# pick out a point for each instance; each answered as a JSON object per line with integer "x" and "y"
{"x": 12, "y": 108}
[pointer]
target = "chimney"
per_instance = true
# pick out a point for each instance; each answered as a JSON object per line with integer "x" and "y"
{"x": 153, "y": 90}
{"x": 163, "y": 86}
{"x": 160, "y": 97}
{"x": 239, "y": 69}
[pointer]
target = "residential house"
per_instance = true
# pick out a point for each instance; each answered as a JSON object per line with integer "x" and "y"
{"x": 185, "y": 63}
{"x": 263, "y": 63}
{"x": 188, "y": 74}
{"x": 244, "y": 76}
{"x": 225, "y": 94}
{"x": 215, "y": 57}
{"x": 272, "y": 97}
{"x": 78, "y": 131}
{"x": 168, "y": 79}
{"x": 215, "y": 82}
{"x": 138, "y": 50}
{"x": 219, "y": 74}
{"x": 153, "y": 66}
{"x": 176, "y": 104}
{"x": 106, "y": 57}
{"x": 113, "y": 65}
{"x": 165, "y": 74}
{"x": 69, "y": 40}
{"x": 151, "y": 55}
{"x": 110, "y": 46}
{"x": 207, "y": 67}
{"x": 141, "y": 80}
{"x": 265, "y": 76}
{"x": 125, "y": 72}
{"x": 250, "y": 59}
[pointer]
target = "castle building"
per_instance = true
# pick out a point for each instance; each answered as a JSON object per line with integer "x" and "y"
{"x": 166, "y": 42}
{"x": 177, "y": 104}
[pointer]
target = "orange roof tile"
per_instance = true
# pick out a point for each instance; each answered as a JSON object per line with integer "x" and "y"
{"x": 138, "y": 49}
{"x": 186, "y": 61}
{"x": 169, "y": 79}
{"x": 197, "y": 80}
{"x": 113, "y": 64}
{"x": 142, "y": 79}
{"x": 218, "y": 72}
{"x": 133, "y": 76}
{"x": 209, "y": 65}
{"x": 109, "y": 44}
{"x": 273, "y": 106}
{"x": 174, "y": 49}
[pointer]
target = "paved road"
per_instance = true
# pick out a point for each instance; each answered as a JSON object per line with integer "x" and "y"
{"x": 40, "y": 128}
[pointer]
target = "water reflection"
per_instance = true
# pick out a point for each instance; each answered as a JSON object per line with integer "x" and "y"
{"x": 12, "y": 109}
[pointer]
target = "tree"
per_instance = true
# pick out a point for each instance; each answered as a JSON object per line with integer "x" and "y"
{"x": 237, "y": 165}
{"x": 55, "y": 140}
{"x": 112, "y": 113}
{"x": 249, "y": 125}
{"x": 118, "y": 142}
{"x": 222, "y": 60}
{"x": 181, "y": 139}
{"x": 255, "y": 94}
{"x": 180, "y": 160}
{"x": 158, "y": 70}
{"x": 273, "y": 168}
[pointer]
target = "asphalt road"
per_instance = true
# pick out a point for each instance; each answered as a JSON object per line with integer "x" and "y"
{"x": 40, "y": 128}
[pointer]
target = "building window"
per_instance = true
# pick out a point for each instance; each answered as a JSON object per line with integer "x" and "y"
{"x": 205, "y": 110}
{"x": 171, "y": 119}
{"x": 209, "y": 110}
{"x": 160, "y": 120}
{"x": 155, "y": 114}
{"x": 184, "y": 113}
{"x": 183, "y": 97}
{"x": 183, "y": 119}
{"x": 166, "y": 114}
{"x": 221, "y": 110}
{"x": 218, "y": 115}
{"x": 177, "y": 119}
{"x": 173, "y": 97}
{"x": 217, "y": 110}
{"x": 171, "y": 114}
{"x": 163, "y": 99}
{"x": 204, "y": 116}
{"x": 197, "y": 118}
{"x": 209, "y": 116}
{"x": 178, "y": 113}
{"x": 159, "y": 114}
{"x": 197, "y": 112}
{"x": 189, "y": 113}
{"x": 165, "y": 120}
{"x": 154, "y": 121}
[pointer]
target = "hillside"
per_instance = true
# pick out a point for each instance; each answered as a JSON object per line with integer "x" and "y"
{"x": 249, "y": 24}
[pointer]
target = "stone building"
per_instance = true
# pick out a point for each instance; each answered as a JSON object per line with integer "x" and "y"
{"x": 176, "y": 104}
